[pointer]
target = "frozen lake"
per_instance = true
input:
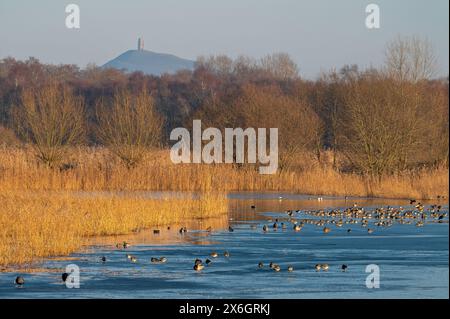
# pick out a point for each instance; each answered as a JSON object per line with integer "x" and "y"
{"x": 413, "y": 261}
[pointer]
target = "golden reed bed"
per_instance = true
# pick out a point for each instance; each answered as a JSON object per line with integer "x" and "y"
{"x": 95, "y": 169}
{"x": 40, "y": 224}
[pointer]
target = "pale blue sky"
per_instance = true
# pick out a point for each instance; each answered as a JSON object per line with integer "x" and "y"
{"x": 318, "y": 34}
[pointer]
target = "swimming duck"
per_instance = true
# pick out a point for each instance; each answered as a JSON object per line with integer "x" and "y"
{"x": 214, "y": 254}
{"x": 318, "y": 267}
{"x": 419, "y": 224}
{"x": 129, "y": 256}
{"x": 20, "y": 281}
{"x": 207, "y": 261}
{"x": 265, "y": 228}
{"x": 290, "y": 268}
{"x": 133, "y": 259}
{"x": 230, "y": 229}
{"x": 275, "y": 267}
{"x": 344, "y": 267}
{"x": 260, "y": 265}
{"x": 369, "y": 230}
{"x": 325, "y": 267}
{"x": 182, "y": 230}
{"x": 160, "y": 260}
{"x": 64, "y": 276}
{"x": 297, "y": 227}
{"x": 226, "y": 254}
{"x": 326, "y": 230}
{"x": 125, "y": 245}
{"x": 103, "y": 259}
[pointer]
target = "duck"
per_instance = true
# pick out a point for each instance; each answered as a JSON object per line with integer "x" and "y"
{"x": 369, "y": 230}
{"x": 160, "y": 260}
{"x": 260, "y": 265}
{"x": 230, "y": 229}
{"x": 129, "y": 256}
{"x": 64, "y": 276}
{"x": 103, "y": 259}
{"x": 275, "y": 267}
{"x": 125, "y": 245}
{"x": 318, "y": 267}
{"x": 226, "y": 254}
{"x": 182, "y": 230}
{"x": 198, "y": 267}
{"x": 290, "y": 268}
{"x": 214, "y": 254}
{"x": 265, "y": 228}
{"x": 344, "y": 267}
{"x": 133, "y": 259}
{"x": 326, "y": 230}
{"x": 419, "y": 224}
{"x": 325, "y": 267}
{"x": 20, "y": 281}
{"x": 207, "y": 261}
{"x": 297, "y": 227}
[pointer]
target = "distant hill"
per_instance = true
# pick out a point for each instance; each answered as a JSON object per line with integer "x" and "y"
{"x": 149, "y": 62}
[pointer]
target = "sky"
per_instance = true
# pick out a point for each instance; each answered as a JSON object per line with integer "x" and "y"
{"x": 319, "y": 35}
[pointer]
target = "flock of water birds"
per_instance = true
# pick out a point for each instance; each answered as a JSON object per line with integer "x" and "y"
{"x": 416, "y": 214}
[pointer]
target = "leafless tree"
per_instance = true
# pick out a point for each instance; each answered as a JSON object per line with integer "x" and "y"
{"x": 410, "y": 59}
{"x": 129, "y": 125}
{"x": 280, "y": 66}
{"x": 51, "y": 119}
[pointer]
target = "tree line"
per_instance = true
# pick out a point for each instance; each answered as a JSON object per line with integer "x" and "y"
{"x": 382, "y": 120}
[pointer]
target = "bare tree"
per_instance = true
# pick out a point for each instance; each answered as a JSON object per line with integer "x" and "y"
{"x": 410, "y": 59}
{"x": 129, "y": 125}
{"x": 298, "y": 125}
{"x": 383, "y": 124}
{"x": 280, "y": 66}
{"x": 51, "y": 118}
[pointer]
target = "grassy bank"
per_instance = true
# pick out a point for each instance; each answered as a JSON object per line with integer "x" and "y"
{"x": 41, "y": 224}
{"x": 94, "y": 169}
